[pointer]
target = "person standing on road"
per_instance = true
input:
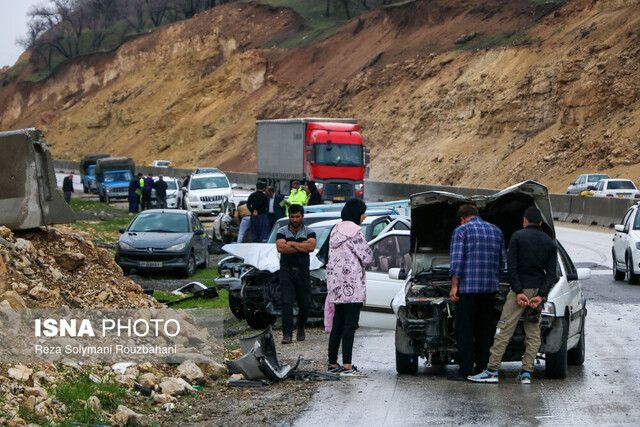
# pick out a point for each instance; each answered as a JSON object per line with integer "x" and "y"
{"x": 161, "y": 193}
{"x": 146, "y": 192}
{"x": 134, "y": 197}
{"x": 477, "y": 256}
{"x": 258, "y": 204}
{"x": 297, "y": 196}
{"x": 315, "y": 198}
{"x": 349, "y": 253}
{"x": 242, "y": 217}
{"x": 531, "y": 262}
{"x": 276, "y": 206}
{"x": 294, "y": 242}
{"x": 67, "y": 187}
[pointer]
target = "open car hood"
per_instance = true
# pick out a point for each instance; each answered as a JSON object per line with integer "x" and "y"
{"x": 433, "y": 218}
{"x": 263, "y": 256}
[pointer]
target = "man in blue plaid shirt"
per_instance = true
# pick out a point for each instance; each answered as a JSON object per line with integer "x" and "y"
{"x": 477, "y": 256}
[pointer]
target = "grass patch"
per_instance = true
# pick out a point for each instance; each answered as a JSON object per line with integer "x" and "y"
{"x": 221, "y": 302}
{"x": 79, "y": 205}
{"x": 106, "y": 230}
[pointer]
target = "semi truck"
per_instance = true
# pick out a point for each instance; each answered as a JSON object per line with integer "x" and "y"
{"x": 113, "y": 175}
{"x": 328, "y": 151}
{"x": 88, "y": 171}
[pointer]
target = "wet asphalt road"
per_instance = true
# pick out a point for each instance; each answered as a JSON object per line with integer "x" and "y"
{"x": 604, "y": 391}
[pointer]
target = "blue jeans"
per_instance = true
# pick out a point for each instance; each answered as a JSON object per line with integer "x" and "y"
{"x": 259, "y": 228}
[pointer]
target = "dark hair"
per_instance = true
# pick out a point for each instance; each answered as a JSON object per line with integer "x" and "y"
{"x": 312, "y": 186}
{"x": 466, "y": 211}
{"x": 260, "y": 185}
{"x": 353, "y": 210}
{"x": 533, "y": 215}
{"x": 296, "y": 209}
{"x": 295, "y": 182}
{"x": 140, "y": 174}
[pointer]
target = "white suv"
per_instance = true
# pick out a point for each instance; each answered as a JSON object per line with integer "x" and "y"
{"x": 204, "y": 193}
{"x": 626, "y": 247}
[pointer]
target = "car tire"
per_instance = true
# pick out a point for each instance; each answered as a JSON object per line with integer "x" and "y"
{"x": 556, "y": 363}
{"x": 632, "y": 277}
{"x": 85, "y": 189}
{"x": 617, "y": 274}
{"x": 576, "y": 355}
{"x": 406, "y": 363}
{"x": 190, "y": 269}
{"x": 256, "y": 318}
{"x": 235, "y": 305}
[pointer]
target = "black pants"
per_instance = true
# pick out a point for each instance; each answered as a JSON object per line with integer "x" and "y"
{"x": 475, "y": 326}
{"x": 345, "y": 323}
{"x": 146, "y": 200}
{"x": 294, "y": 286}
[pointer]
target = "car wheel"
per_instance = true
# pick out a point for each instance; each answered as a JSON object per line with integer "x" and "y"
{"x": 256, "y": 318}
{"x": 235, "y": 304}
{"x": 556, "y": 363}
{"x": 632, "y": 277}
{"x": 617, "y": 274}
{"x": 191, "y": 266}
{"x": 576, "y": 355}
{"x": 85, "y": 189}
{"x": 406, "y": 364}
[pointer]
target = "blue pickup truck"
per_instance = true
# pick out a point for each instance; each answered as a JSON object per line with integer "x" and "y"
{"x": 113, "y": 176}
{"x": 88, "y": 171}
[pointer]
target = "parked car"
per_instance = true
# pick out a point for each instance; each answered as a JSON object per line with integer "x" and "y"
{"x": 204, "y": 193}
{"x": 251, "y": 273}
{"x": 624, "y": 188}
{"x": 224, "y": 229}
{"x": 199, "y": 171}
{"x": 174, "y": 193}
{"x": 159, "y": 239}
{"x": 161, "y": 163}
{"x": 584, "y": 181}
{"x": 425, "y": 314}
{"x": 626, "y": 247}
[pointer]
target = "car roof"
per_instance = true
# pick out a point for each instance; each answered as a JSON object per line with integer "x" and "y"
{"x": 616, "y": 179}
{"x": 208, "y": 175}
{"x": 165, "y": 211}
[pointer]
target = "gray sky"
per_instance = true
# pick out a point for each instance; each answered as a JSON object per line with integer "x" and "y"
{"x": 13, "y": 24}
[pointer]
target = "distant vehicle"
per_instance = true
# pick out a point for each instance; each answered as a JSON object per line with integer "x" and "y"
{"x": 622, "y": 188}
{"x": 199, "y": 171}
{"x": 174, "y": 193}
{"x": 204, "y": 193}
{"x": 328, "y": 151}
{"x": 88, "y": 171}
{"x": 113, "y": 175}
{"x": 161, "y": 163}
{"x": 584, "y": 181}
{"x": 626, "y": 247}
{"x": 159, "y": 239}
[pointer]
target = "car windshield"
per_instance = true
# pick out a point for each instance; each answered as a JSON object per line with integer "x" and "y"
{"x": 91, "y": 170}
{"x": 338, "y": 154}
{"x": 163, "y": 164}
{"x": 118, "y": 176}
{"x": 207, "y": 170}
{"x": 171, "y": 185}
{"x": 596, "y": 178}
{"x": 209, "y": 182}
{"x": 160, "y": 223}
{"x": 621, "y": 185}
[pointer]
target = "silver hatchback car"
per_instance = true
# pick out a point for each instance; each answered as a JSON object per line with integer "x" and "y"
{"x": 584, "y": 181}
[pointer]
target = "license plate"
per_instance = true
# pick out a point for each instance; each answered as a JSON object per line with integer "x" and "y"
{"x": 338, "y": 198}
{"x": 623, "y": 195}
{"x": 150, "y": 264}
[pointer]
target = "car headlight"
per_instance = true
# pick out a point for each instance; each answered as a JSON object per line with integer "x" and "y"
{"x": 225, "y": 273}
{"x": 125, "y": 246}
{"x": 177, "y": 248}
{"x": 319, "y": 186}
{"x": 359, "y": 186}
{"x": 549, "y": 309}
{"x": 171, "y": 196}
{"x": 637, "y": 245}
{"x": 193, "y": 198}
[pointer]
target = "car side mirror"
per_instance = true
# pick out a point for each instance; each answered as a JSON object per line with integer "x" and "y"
{"x": 199, "y": 232}
{"x": 580, "y": 274}
{"x": 234, "y": 186}
{"x": 397, "y": 274}
{"x": 309, "y": 156}
{"x": 619, "y": 228}
{"x": 122, "y": 230}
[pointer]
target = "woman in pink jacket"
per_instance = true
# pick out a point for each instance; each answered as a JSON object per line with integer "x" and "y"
{"x": 346, "y": 284}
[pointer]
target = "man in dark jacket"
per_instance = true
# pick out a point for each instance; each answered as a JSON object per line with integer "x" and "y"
{"x": 531, "y": 261}
{"x": 67, "y": 187}
{"x": 276, "y": 206}
{"x": 161, "y": 193}
{"x": 258, "y": 204}
{"x": 146, "y": 192}
{"x": 134, "y": 199}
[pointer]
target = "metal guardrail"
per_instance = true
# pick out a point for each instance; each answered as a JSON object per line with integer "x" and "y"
{"x": 601, "y": 211}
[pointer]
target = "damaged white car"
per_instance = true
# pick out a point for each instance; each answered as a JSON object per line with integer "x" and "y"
{"x": 425, "y": 314}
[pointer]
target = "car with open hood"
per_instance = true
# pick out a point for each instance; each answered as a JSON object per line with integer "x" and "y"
{"x": 425, "y": 314}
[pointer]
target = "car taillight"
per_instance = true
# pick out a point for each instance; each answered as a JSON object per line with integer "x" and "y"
{"x": 637, "y": 196}
{"x": 359, "y": 192}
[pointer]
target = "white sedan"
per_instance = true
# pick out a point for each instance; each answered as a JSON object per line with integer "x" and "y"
{"x": 624, "y": 188}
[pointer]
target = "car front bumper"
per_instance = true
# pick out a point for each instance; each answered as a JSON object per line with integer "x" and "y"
{"x": 145, "y": 260}
{"x": 206, "y": 208}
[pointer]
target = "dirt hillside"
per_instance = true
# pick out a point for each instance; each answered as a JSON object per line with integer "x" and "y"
{"x": 449, "y": 92}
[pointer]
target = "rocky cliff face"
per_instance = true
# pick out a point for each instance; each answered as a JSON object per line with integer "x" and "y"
{"x": 563, "y": 102}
